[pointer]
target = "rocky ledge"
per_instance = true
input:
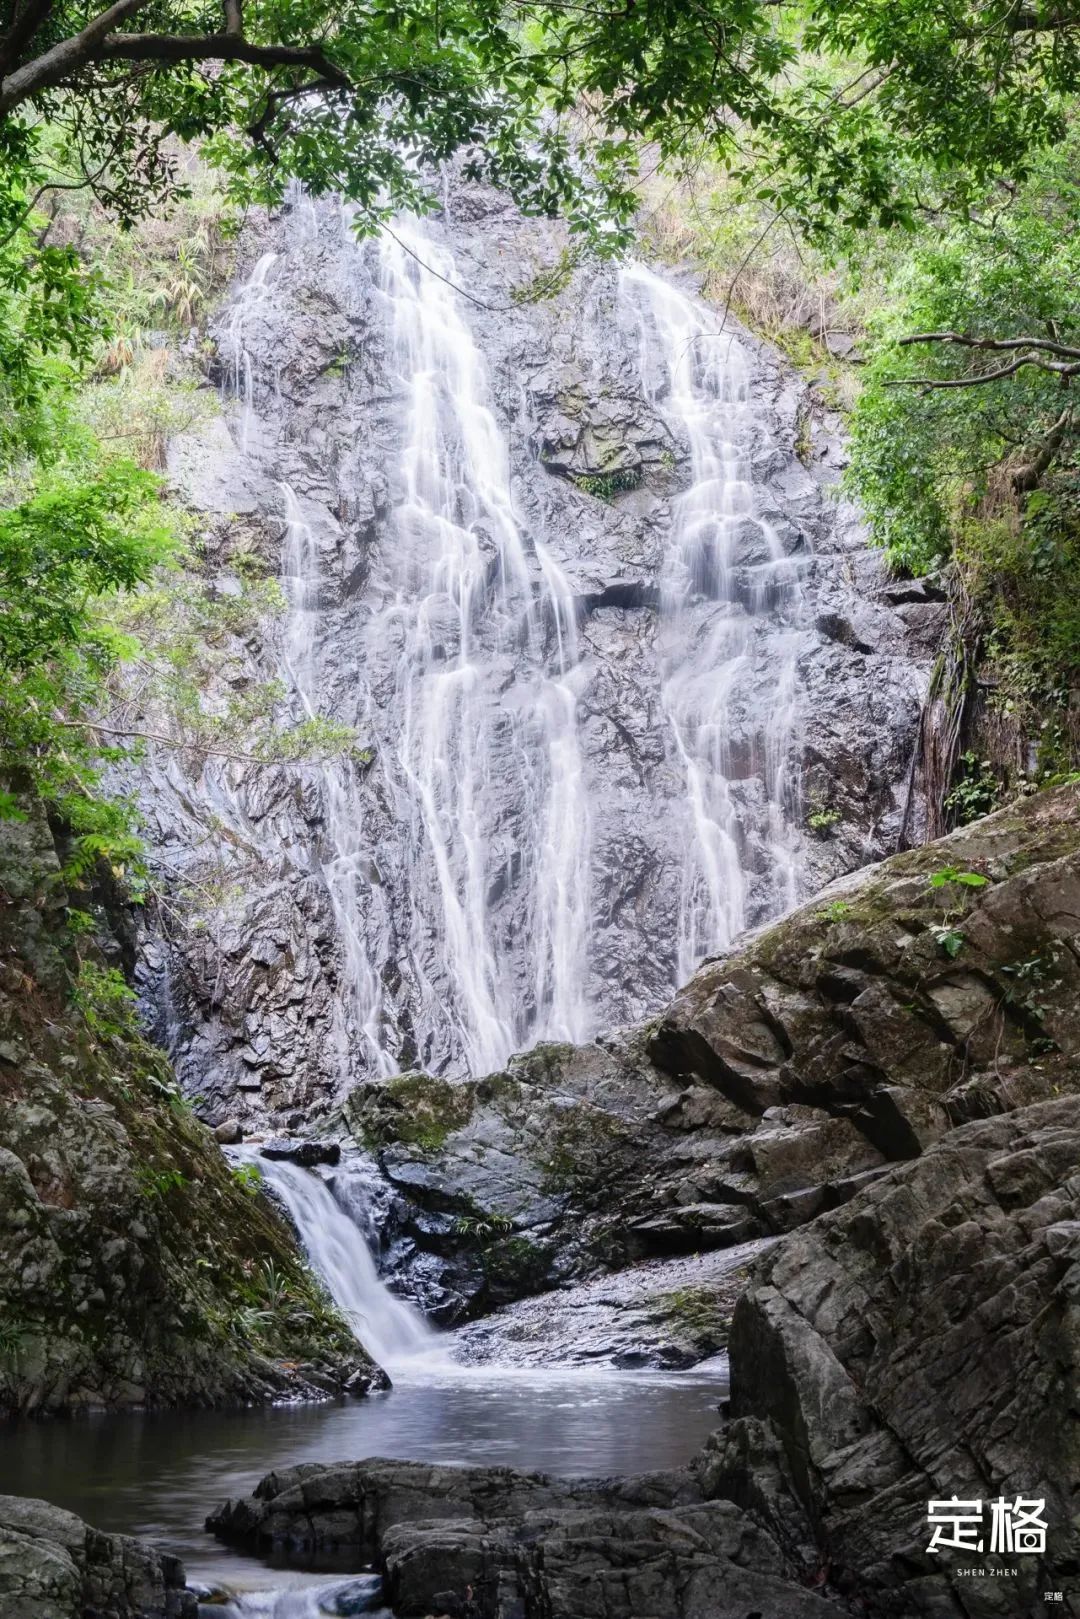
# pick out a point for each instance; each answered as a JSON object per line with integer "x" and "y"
{"x": 51, "y": 1563}
{"x": 491, "y": 1543}
{"x": 937, "y": 988}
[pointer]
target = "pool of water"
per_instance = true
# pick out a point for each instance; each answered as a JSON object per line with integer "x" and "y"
{"x": 158, "y": 1475}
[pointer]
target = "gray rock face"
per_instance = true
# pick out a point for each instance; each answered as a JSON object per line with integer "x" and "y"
{"x": 488, "y": 1543}
{"x": 937, "y": 989}
{"x": 54, "y": 1566}
{"x": 333, "y": 956}
{"x": 779, "y": 1082}
{"x": 667, "y": 1313}
{"x": 921, "y": 1344}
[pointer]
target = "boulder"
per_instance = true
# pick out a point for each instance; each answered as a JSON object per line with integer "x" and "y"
{"x": 938, "y": 987}
{"x": 921, "y": 1343}
{"x": 54, "y": 1566}
{"x": 304, "y": 1153}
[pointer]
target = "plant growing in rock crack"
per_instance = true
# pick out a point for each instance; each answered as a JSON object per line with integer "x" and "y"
{"x": 946, "y": 876}
{"x": 106, "y": 1001}
{"x": 248, "y": 1177}
{"x": 950, "y": 879}
{"x": 1029, "y": 980}
{"x": 976, "y": 791}
{"x": 11, "y": 1343}
{"x": 822, "y": 817}
{"x": 837, "y": 910}
{"x": 482, "y": 1226}
{"x": 606, "y": 485}
{"x": 155, "y": 1183}
{"x": 273, "y": 1284}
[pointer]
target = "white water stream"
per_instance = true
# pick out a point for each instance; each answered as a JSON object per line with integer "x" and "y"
{"x": 477, "y": 692}
{"x": 393, "y": 1332}
{"x": 466, "y": 678}
{"x": 721, "y": 551}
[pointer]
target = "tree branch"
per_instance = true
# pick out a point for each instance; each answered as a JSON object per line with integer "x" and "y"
{"x": 64, "y": 58}
{"x": 220, "y": 48}
{"x": 26, "y": 24}
{"x": 975, "y": 379}
{"x": 177, "y": 744}
{"x": 1046, "y": 344}
{"x": 1027, "y": 477}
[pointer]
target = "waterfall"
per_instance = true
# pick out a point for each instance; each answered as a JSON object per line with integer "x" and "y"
{"x": 392, "y": 1331}
{"x": 360, "y": 1594}
{"x": 234, "y": 341}
{"x": 518, "y": 745}
{"x": 467, "y": 678}
{"x": 348, "y": 857}
{"x": 730, "y": 630}
{"x": 469, "y": 609}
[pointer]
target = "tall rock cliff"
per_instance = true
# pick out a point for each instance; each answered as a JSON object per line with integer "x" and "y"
{"x": 623, "y": 676}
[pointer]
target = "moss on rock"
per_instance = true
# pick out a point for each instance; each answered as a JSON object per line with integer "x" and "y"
{"x": 135, "y": 1268}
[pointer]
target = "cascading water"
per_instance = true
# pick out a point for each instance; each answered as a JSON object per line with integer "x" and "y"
{"x": 392, "y": 1331}
{"x": 720, "y": 640}
{"x": 348, "y": 857}
{"x": 518, "y": 744}
{"x": 468, "y": 609}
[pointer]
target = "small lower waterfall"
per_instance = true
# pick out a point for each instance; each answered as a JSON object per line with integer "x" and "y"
{"x": 392, "y": 1331}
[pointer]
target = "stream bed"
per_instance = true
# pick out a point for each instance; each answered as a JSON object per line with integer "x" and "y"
{"x": 158, "y": 1475}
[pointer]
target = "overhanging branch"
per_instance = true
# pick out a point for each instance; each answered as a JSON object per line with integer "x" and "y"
{"x": 1039, "y": 353}
{"x": 99, "y": 42}
{"x": 1048, "y": 345}
{"x": 220, "y": 48}
{"x": 56, "y": 64}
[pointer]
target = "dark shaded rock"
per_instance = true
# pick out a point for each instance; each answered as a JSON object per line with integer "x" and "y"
{"x": 54, "y": 1566}
{"x": 921, "y": 1343}
{"x": 490, "y": 1543}
{"x": 127, "y": 1247}
{"x": 305, "y": 1153}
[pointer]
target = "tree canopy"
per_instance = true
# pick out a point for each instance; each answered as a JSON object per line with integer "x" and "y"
{"x": 863, "y": 105}
{"x": 837, "y": 119}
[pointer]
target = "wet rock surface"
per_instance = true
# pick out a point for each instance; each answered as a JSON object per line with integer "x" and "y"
{"x": 782, "y": 1080}
{"x": 666, "y": 1313}
{"x": 54, "y": 1566}
{"x": 490, "y": 1543}
{"x": 260, "y": 1001}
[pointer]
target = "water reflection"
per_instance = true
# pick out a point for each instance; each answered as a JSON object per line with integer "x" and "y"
{"x": 158, "y": 1475}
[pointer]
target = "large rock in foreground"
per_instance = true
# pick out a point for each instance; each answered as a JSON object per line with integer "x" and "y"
{"x": 54, "y": 1566}
{"x": 921, "y": 1343}
{"x": 490, "y": 1543}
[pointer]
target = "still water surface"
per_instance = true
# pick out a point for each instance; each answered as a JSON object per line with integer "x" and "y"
{"x": 158, "y": 1475}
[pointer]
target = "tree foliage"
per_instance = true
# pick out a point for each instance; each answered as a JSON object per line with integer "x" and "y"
{"x": 939, "y": 430}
